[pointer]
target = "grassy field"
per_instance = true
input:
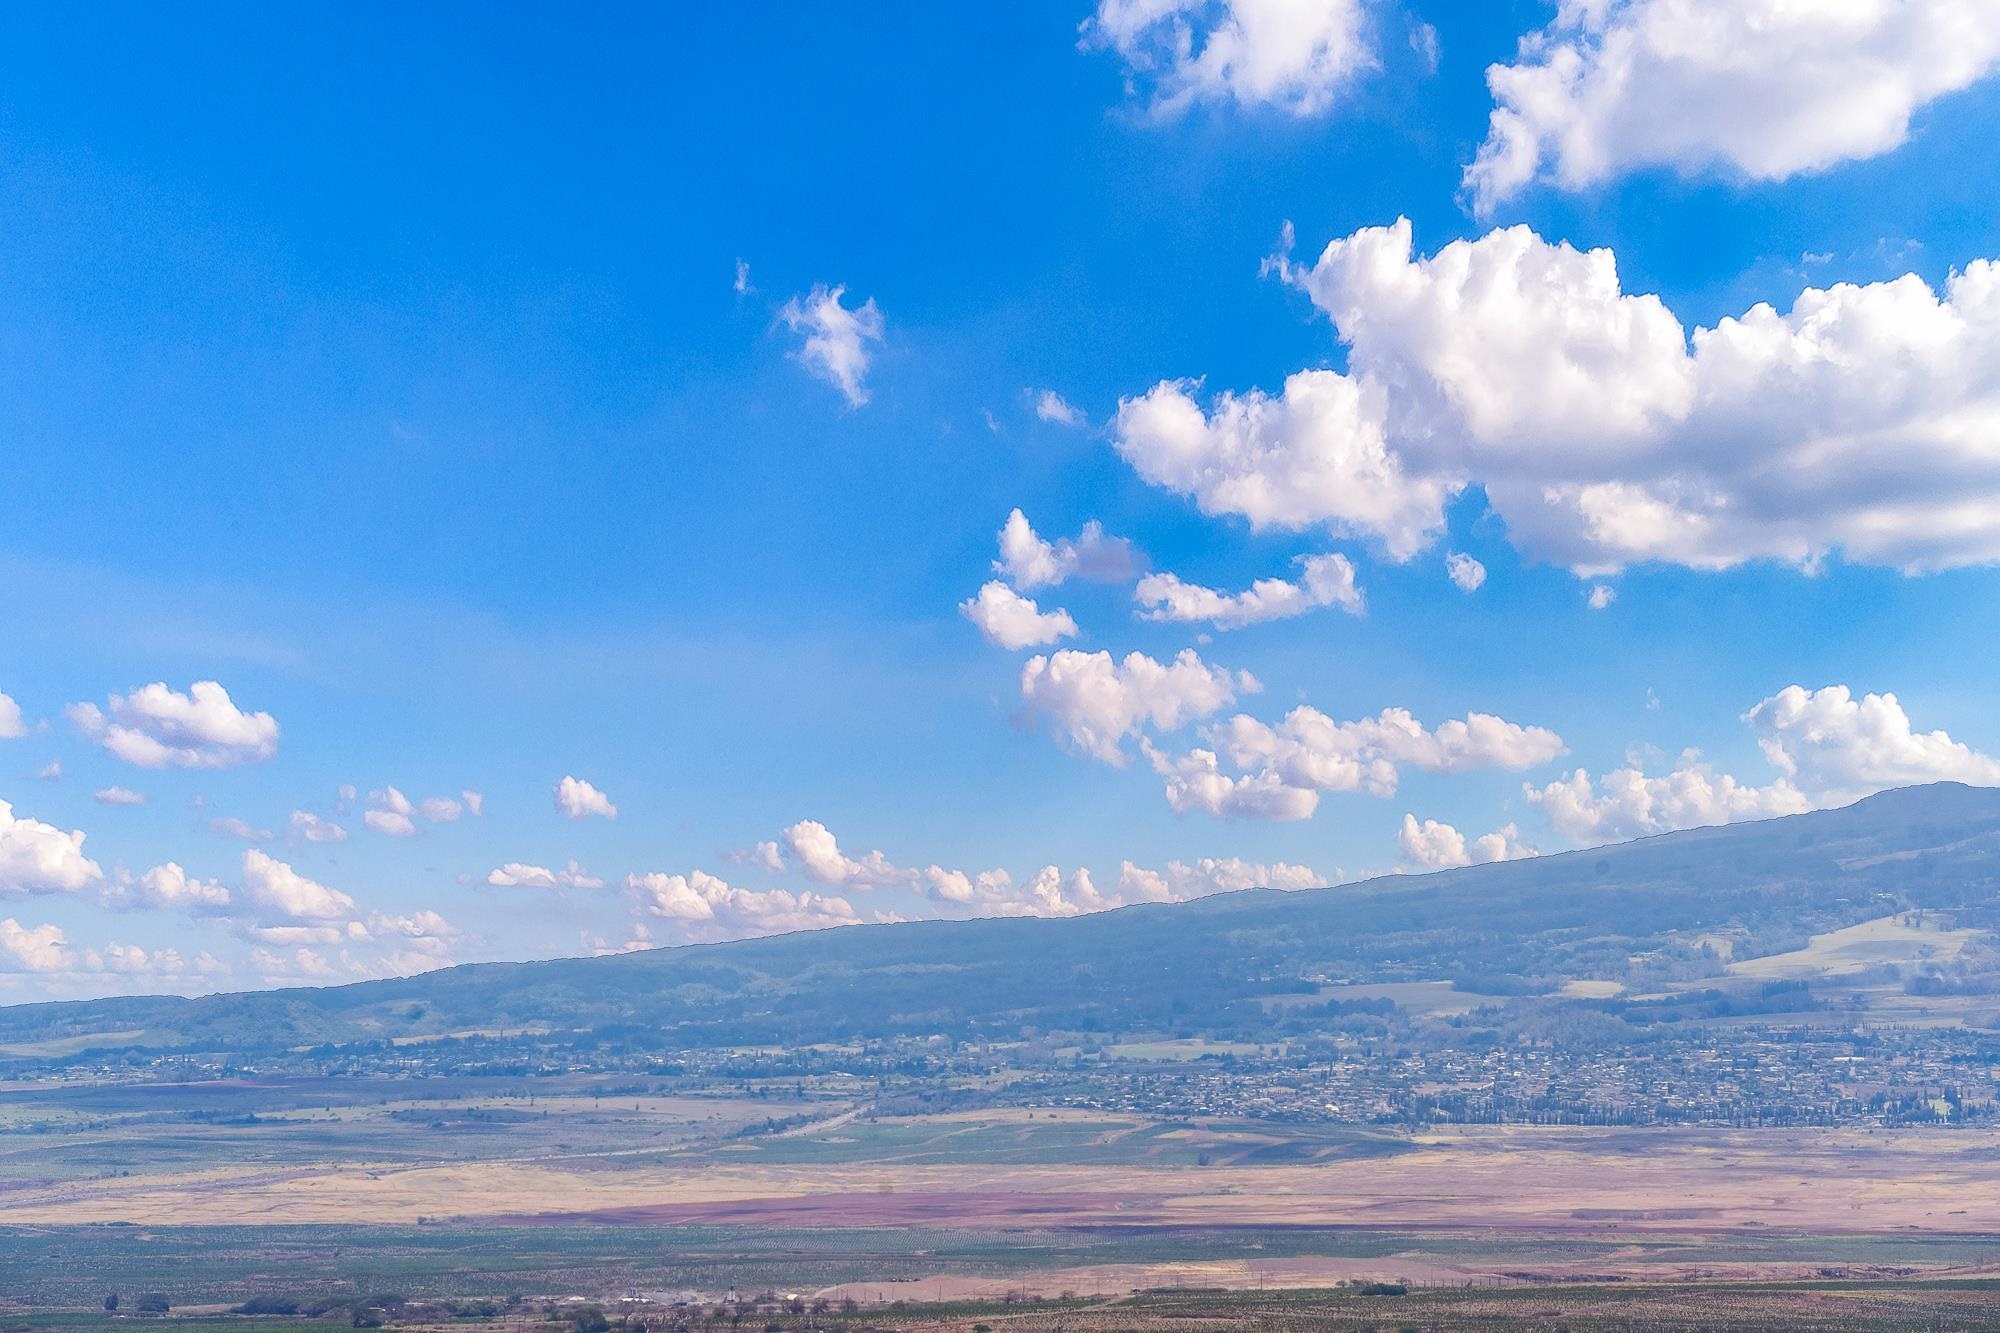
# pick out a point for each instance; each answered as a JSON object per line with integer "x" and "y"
{"x": 74, "y": 1268}
{"x": 1892, "y": 939}
{"x": 81, "y": 1132}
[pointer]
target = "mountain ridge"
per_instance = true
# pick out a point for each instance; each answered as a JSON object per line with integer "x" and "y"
{"x": 1526, "y": 923}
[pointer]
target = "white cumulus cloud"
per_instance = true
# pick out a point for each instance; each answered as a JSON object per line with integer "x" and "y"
{"x": 440, "y": 809}
{"x": 35, "y": 948}
{"x": 41, "y": 858}
{"x": 711, "y": 907}
{"x": 392, "y": 822}
{"x": 157, "y": 727}
{"x": 1627, "y": 804}
{"x": 11, "y": 725}
{"x": 1180, "y": 880}
{"x": 1860, "y": 422}
{"x": 1760, "y": 89}
{"x": 283, "y": 894}
{"x": 1324, "y": 580}
{"x": 1029, "y": 562}
{"x": 167, "y": 887}
{"x": 1831, "y": 743}
{"x": 1093, "y": 702}
{"x": 1281, "y": 769}
{"x": 577, "y": 799}
{"x": 1314, "y": 454}
{"x": 1297, "y": 56}
{"x": 518, "y": 875}
{"x": 1434, "y": 845}
{"x": 395, "y": 814}
{"x": 1827, "y": 748}
{"x": 1013, "y": 621}
{"x": 813, "y": 848}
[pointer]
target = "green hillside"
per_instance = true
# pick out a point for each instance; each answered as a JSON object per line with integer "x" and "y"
{"x": 1649, "y": 914}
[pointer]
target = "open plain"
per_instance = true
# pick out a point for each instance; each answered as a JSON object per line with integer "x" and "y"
{"x": 579, "y": 1191}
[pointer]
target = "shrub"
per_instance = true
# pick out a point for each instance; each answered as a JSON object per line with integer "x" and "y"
{"x": 151, "y": 1303}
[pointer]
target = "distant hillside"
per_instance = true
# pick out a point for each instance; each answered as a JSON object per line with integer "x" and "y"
{"x": 1641, "y": 909}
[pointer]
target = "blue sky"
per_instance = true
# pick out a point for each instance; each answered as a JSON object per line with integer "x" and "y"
{"x": 439, "y": 385}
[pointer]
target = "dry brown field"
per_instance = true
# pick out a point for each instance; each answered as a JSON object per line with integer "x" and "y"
{"x": 1588, "y": 1180}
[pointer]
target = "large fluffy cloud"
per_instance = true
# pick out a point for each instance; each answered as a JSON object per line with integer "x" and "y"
{"x": 1864, "y": 421}
{"x": 838, "y": 341}
{"x": 1765, "y": 89}
{"x": 283, "y": 894}
{"x": 1281, "y": 769}
{"x": 34, "y": 948}
{"x": 1295, "y": 55}
{"x": 1831, "y": 743}
{"x": 1014, "y": 622}
{"x": 1314, "y": 454}
{"x": 41, "y": 858}
{"x": 1093, "y": 703}
{"x": 156, "y": 727}
{"x": 1324, "y": 580}
{"x": 813, "y": 848}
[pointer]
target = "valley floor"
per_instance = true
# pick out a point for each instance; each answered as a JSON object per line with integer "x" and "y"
{"x": 1071, "y": 1168}
{"x": 338, "y": 1192}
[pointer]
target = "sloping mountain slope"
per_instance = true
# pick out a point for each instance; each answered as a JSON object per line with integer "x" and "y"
{"x": 1517, "y": 928}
